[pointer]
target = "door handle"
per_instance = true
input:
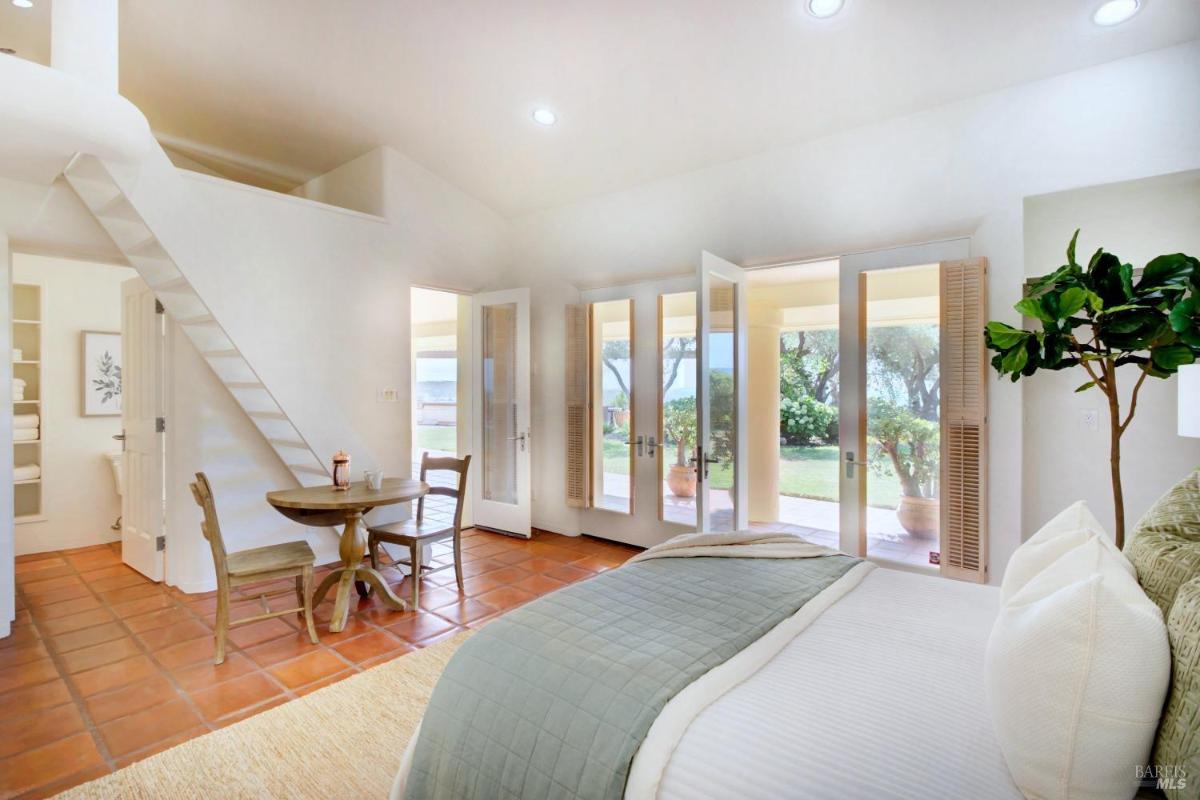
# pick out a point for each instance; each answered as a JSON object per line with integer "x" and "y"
{"x": 851, "y": 464}
{"x": 706, "y": 458}
{"x": 120, "y": 437}
{"x": 638, "y": 443}
{"x": 651, "y": 446}
{"x": 518, "y": 438}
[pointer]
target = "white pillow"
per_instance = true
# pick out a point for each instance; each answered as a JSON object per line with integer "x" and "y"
{"x": 1076, "y": 670}
{"x": 1076, "y": 525}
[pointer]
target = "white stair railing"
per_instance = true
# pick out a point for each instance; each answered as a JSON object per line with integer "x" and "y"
{"x": 104, "y": 197}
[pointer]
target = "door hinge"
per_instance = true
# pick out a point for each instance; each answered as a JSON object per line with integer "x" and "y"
{"x": 158, "y": 307}
{"x": 160, "y": 543}
{"x": 160, "y": 425}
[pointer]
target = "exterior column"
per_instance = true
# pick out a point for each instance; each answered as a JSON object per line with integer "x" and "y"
{"x": 763, "y": 444}
{"x": 83, "y": 41}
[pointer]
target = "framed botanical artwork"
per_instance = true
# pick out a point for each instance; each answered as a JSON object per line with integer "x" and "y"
{"x": 101, "y": 374}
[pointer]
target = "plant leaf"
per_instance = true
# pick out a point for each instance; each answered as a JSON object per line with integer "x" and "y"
{"x": 1071, "y": 249}
{"x": 1173, "y": 270}
{"x": 1004, "y": 336}
{"x": 1085, "y": 387}
{"x": 1072, "y": 300}
{"x": 1032, "y": 307}
{"x": 1015, "y": 360}
{"x": 1171, "y": 357}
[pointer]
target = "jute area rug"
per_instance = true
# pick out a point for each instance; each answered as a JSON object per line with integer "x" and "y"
{"x": 342, "y": 741}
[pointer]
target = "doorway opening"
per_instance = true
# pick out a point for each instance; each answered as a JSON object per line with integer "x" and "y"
{"x": 68, "y": 393}
{"x": 436, "y": 385}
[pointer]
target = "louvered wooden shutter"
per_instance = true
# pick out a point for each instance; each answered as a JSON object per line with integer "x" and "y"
{"x": 577, "y": 406}
{"x": 964, "y": 541}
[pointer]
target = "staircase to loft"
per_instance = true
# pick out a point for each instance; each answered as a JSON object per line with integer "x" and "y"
{"x": 111, "y": 207}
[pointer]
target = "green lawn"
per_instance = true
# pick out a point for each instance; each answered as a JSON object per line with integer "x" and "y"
{"x": 435, "y": 437}
{"x": 804, "y": 472}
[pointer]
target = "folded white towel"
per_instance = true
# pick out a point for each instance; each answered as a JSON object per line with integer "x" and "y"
{"x": 18, "y": 396}
{"x": 27, "y": 472}
{"x": 26, "y": 421}
{"x": 25, "y": 434}
{"x": 19, "y": 382}
{"x": 17, "y": 355}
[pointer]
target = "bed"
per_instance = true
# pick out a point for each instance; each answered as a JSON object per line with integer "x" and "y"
{"x": 862, "y": 682}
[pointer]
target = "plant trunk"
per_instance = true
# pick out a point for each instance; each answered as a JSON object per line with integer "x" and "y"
{"x": 1114, "y": 458}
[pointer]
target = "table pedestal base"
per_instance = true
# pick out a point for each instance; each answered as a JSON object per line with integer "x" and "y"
{"x": 345, "y": 577}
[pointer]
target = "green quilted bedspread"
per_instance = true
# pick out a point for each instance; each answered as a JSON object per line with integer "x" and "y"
{"x": 553, "y": 699}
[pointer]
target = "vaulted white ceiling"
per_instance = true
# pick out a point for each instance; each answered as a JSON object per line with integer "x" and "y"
{"x": 642, "y": 89}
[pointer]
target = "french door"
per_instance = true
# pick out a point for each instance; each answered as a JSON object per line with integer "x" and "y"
{"x": 660, "y": 410}
{"x": 912, "y": 414}
{"x": 500, "y": 411}
{"x": 142, "y": 501}
{"x": 721, "y": 381}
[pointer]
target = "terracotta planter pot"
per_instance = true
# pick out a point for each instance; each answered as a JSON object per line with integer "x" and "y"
{"x": 681, "y": 480}
{"x": 919, "y": 516}
{"x": 621, "y": 417}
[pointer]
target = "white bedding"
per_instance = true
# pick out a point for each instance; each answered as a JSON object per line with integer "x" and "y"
{"x": 880, "y": 697}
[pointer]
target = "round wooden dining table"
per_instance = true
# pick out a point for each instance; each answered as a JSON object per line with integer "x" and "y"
{"x": 323, "y": 506}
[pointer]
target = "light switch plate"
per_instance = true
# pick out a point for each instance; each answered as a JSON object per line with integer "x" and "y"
{"x": 387, "y": 396}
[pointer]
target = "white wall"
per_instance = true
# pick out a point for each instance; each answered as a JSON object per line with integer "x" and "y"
{"x": 960, "y": 169}
{"x": 208, "y": 432}
{"x": 1064, "y": 460}
{"x": 79, "y": 499}
{"x": 8, "y": 586}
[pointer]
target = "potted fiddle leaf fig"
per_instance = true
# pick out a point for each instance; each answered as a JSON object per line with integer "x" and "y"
{"x": 1101, "y": 317}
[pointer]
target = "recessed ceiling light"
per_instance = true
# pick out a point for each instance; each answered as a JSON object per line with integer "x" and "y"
{"x": 544, "y": 116}
{"x": 1114, "y": 12}
{"x": 23, "y": 3}
{"x": 823, "y": 9}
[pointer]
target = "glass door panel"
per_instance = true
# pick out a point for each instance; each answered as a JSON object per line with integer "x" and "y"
{"x": 612, "y": 406}
{"x": 902, "y": 354}
{"x": 499, "y": 463}
{"x": 677, "y": 407}
{"x": 722, "y": 372}
{"x": 501, "y": 410}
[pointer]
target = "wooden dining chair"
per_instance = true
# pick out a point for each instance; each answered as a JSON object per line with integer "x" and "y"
{"x": 415, "y": 533}
{"x": 287, "y": 560}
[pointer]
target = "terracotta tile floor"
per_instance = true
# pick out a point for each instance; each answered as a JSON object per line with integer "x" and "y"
{"x": 104, "y": 667}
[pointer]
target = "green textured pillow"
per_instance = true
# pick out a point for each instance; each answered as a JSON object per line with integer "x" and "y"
{"x": 1177, "y": 746}
{"x": 1165, "y": 545}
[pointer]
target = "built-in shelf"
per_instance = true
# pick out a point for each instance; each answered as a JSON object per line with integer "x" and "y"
{"x": 28, "y": 311}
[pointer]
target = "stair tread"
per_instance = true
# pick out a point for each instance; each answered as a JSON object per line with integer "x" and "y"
{"x": 199, "y": 319}
{"x": 293, "y": 443}
{"x": 244, "y": 385}
{"x": 311, "y": 470}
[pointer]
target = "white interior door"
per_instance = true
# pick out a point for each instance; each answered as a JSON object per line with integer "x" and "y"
{"x": 500, "y": 411}
{"x": 141, "y": 406}
{"x": 722, "y": 373}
